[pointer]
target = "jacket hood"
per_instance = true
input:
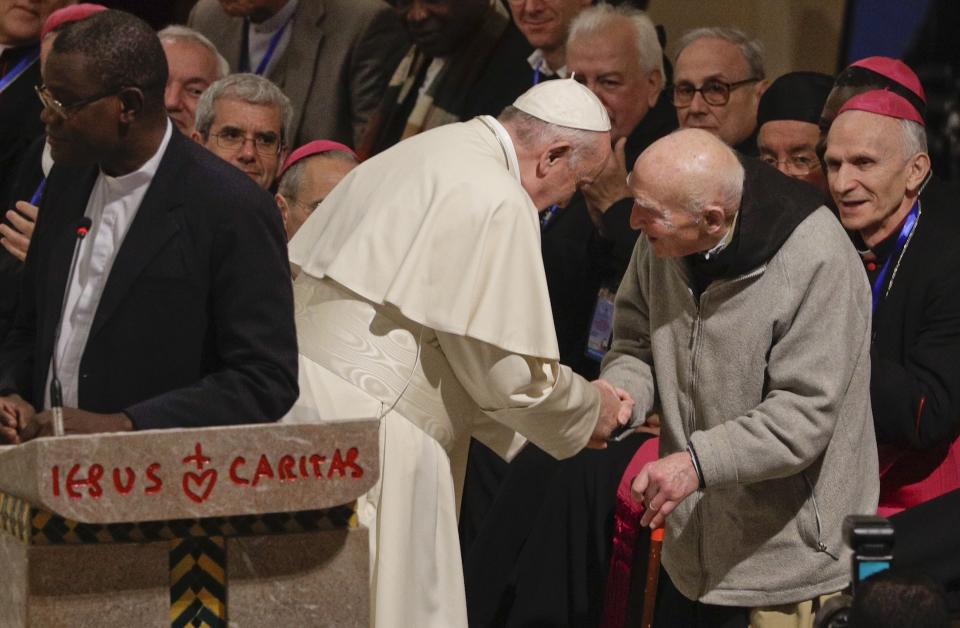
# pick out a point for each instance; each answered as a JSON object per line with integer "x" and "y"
{"x": 772, "y": 206}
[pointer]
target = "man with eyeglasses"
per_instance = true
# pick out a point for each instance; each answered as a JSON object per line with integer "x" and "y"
{"x": 245, "y": 119}
{"x": 718, "y": 81}
{"x": 163, "y": 323}
{"x": 787, "y": 121}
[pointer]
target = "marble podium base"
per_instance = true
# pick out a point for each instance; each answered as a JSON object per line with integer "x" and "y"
{"x": 300, "y": 579}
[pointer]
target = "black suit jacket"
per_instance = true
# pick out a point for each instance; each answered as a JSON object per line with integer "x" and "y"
{"x": 19, "y": 117}
{"x": 195, "y": 324}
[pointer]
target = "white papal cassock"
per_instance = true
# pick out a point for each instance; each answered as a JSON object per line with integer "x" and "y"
{"x": 421, "y": 298}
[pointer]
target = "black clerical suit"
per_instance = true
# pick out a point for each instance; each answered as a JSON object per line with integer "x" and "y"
{"x": 915, "y": 372}
{"x": 19, "y": 115}
{"x": 195, "y": 323}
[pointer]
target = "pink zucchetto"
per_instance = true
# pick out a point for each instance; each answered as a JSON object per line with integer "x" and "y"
{"x": 884, "y": 103}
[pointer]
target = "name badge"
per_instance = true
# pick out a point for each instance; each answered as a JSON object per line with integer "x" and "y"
{"x": 601, "y": 327}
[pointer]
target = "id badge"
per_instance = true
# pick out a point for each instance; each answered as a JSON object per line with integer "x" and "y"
{"x": 601, "y": 327}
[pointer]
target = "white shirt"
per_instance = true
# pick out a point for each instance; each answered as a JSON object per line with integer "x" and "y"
{"x": 111, "y": 207}
{"x": 538, "y": 61}
{"x": 259, "y": 36}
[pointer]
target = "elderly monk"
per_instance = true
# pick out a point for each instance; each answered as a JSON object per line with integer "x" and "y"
{"x": 744, "y": 314}
{"x": 422, "y": 301}
{"x": 787, "y": 121}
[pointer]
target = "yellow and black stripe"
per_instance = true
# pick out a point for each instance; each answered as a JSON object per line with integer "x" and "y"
{"x": 198, "y": 582}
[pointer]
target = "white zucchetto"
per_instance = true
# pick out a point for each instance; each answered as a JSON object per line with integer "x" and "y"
{"x": 564, "y": 102}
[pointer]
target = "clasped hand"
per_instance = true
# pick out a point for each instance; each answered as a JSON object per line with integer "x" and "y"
{"x": 616, "y": 408}
{"x": 20, "y": 422}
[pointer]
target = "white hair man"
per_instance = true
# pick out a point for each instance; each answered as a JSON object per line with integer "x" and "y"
{"x": 193, "y": 64}
{"x": 427, "y": 256}
{"x": 718, "y": 80}
{"x": 744, "y": 313}
{"x": 245, "y": 119}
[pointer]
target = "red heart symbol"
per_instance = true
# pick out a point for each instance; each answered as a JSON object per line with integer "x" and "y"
{"x": 208, "y": 477}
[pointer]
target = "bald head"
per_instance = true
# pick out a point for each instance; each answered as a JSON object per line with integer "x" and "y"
{"x": 687, "y": 188}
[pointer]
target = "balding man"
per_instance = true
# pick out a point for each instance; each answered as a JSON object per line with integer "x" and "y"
{"x": 745, "y": 315}
{"x": 180, "y": 245}
{"x": 718, "y": 80}
{"x": 877, "y": 165}
{"x": 245, "y": 120}
{"x": 193, "y": 64}
{"x": 427, "y": 255}
{"x": 307, "y": 177}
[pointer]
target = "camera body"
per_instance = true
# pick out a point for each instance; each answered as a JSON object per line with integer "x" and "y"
{"x": 871, "y": 539}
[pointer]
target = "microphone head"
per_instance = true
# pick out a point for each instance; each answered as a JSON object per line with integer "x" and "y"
{"x": 83, "y": 227}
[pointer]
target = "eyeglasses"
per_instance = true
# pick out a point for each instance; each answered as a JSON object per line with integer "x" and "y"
{"x": 714, "y": 92}
{"x": 65, "y": 111}
{"x": 234, "y": 139}
{"x": 799, "y": 164}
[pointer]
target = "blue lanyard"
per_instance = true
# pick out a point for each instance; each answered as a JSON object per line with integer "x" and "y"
{"x": 274, "y": 42}
{"x": 536, "y": 74}
{"x": 36, "y": 195}
{"x": 547, "y": 217}
{"x": 905, "y": 232}
{"x": 19, "y": 69}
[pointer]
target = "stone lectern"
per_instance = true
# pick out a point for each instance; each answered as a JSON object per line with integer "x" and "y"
{"x": 243, "y": 526}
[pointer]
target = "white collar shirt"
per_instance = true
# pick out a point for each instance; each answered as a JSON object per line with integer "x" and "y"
{"x": 111, "y": 207}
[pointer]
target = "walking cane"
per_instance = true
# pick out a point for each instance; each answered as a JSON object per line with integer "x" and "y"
{"x": 653, "y": 576}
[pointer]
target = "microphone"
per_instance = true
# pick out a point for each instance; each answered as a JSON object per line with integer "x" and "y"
{"x": 56, "y": 392}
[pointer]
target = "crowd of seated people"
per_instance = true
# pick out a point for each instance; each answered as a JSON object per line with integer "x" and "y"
{"x": 792, "y": 225}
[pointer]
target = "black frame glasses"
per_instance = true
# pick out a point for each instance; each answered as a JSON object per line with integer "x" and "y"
{"x": 713, "y": 91}
{"x": 65, "y": 111}
{"x": 229, "y": 140}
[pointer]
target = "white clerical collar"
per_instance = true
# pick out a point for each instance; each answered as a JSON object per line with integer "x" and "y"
{"x": 506, "y": 142}
{"x": 275, "y": 22}
{"x": 142, "y": 175}
{"x": 725, "y": 242}
{"x": 538, "y": 62}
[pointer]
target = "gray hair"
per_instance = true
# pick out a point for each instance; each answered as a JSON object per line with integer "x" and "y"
{"x": 914, "y": 138}
{"x": 292, "y": 179}
{"x": 597, "y": 19}
{"x": 534, "y": 132}
{"x": 176, "y": 32}
{"x": 751, "y": 49}
{"x": 248, "y": 88}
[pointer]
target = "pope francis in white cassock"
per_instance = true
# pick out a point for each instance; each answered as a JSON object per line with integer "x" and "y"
{"x": 421, "y": 299}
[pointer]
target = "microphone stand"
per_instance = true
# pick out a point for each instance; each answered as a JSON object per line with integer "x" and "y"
{"x": 56, "y": 391}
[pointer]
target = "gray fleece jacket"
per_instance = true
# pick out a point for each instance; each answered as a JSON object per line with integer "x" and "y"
{"x": 767, "y": 375}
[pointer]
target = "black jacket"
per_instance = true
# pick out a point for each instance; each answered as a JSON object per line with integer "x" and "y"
{"x": 916, "y": 332}
{"x": 195, "y": 324}
{"x": 19, "y": 117}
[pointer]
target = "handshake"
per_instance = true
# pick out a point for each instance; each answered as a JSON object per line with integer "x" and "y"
{"x": 616, "y": 408}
